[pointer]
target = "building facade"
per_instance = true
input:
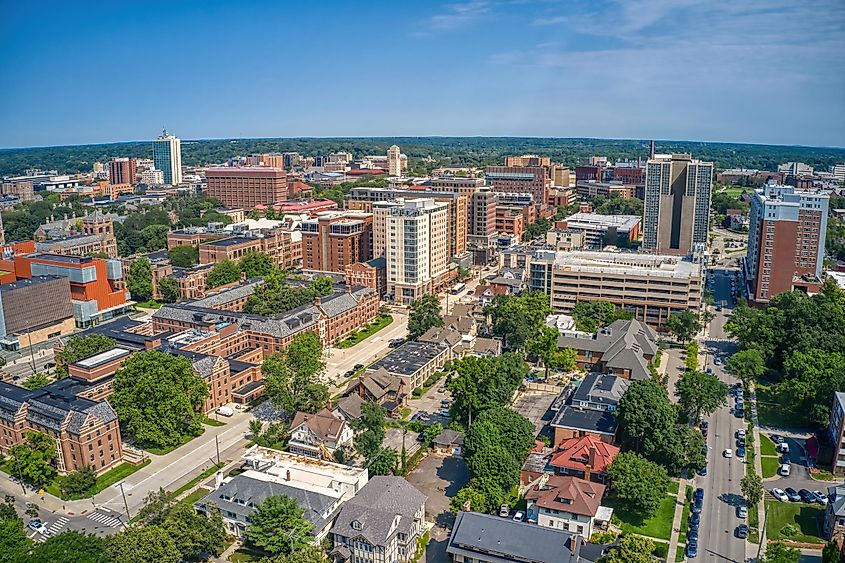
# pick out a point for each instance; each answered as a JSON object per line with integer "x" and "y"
{"x": 333, "y": 241}
{"x": 167, "y": 156}
{"x": 123, "y": 171}
{"x": 246, "y": 187}
{"x": 520, "y": 179}
{"x": 837, "y": 433}
{"x": 677, "y": 204}
{"x": 34, "y": 310}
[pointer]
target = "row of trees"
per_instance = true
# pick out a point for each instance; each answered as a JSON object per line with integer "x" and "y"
{"x": 276, "y": 296}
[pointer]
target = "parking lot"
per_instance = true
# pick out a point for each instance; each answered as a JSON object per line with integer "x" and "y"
{"x": 534, "y": 405}
{"x": 431, "y": 402}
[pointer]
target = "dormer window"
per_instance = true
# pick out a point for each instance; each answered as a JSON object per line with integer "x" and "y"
{"x": 357, "y": 525}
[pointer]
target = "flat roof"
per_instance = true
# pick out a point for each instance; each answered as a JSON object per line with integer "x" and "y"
{"x": 231, "y": 241}
{"x": 63, "y": 258}
{"x": 409, "y": 358}
{"x": 29, "y": 282}
{"x": 102, "y": 357}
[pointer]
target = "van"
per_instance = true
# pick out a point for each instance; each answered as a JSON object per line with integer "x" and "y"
{"x": 783, "y": 448}
{"x": 225, "y": 411}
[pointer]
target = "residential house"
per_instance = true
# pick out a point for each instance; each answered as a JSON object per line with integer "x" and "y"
{"x": 485, "y": 294}
{"x": 567, "y": 503}
{"x": 379, "y": 386}
{"x": 380, "y": 524}
{"x": 349, "y": 407}
{"x": 319, "y": 435}
{"x": 589, "y": 409}
{"x": 623, "y": 348}
{"x": 450, "y": 442}
{"x": 585, "y": 457}
{"x": 834, "y": 514}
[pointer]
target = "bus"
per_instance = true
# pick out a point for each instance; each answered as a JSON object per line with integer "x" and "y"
{"x": 457, "y": 288}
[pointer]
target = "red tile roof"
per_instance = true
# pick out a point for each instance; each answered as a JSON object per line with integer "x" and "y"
{"x": 570, "y": 494}
{"x": 574, "y": 453}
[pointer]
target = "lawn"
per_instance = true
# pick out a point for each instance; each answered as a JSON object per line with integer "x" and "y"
{"x": 211, "y": 422}
{"x": 767, "y": 447}
{"x": 658, "y": 526}
{"x": 734, "y": 191}
{"x": 206, "y": 473}
{"x": 770, "y": 466}
{"x": 167, "y": 450}
{"x": 682, "y": 537}
{"x": 805, "y": 520}
{"x": 753, "y": 525}
{"x": 149, "y": 304}
{"x": 360, "y": 335}
{"x": 774, "y": 410}
{"x": 245, "y": 554}
{"x": 673, "y": 488}
{"x": 104, "y": 481}
{"x": 195, "y": 496}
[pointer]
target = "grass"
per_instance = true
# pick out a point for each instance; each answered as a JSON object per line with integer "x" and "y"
{"x": 674, "y": 486}
{"x": 404, "y": 413}
{"x": 682, "y": 538}
{"x": 823, "y": 475}
{"x": 166, "y": 450}
{"x": 767, "y": 447}
{"x": 806, "y": 518}
{"x": 149, "y": 304}
{"x": 770, "y": 466}
{"x": 211, "y": 422}
{"x": 773, "y": 410}
{"x": 679, "y": 554}
{"x": 734, "y": 191}
{"x": 358, "y": 336}
{"x": 753, "y": 525}
{"x": 246, "y": 554}
{"x": 195, "y": 496}
{"x": 206, "y": 473}
{"x": 104, "y": 481}
{"x": 658, "y": 526}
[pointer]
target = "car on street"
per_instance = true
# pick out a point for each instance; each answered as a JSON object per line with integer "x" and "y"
{"x": 717, "y": 360}
{"x": 780, "y": 495}
{"x": 742, "y": 531}
{"x": 519, "y": 516}
{"x": 703, "y": 471}
{"x": 504, "y": 511}
{"x": 784, "y": 470}
{"x": 709, "y": 371}
{"x": 739, "y": 413}
{"x": 37, "y": 525}
{"x": 740, "y": 451}
{"x": 742, "y": 511}
{"x": 740, "y": 442}
{"x": 394, "y": 342}
{"x": 792, "y": 494}
{"x": 349, "y": 373}
{"x": 698, "y": 494}
{"x": 692, "y": 534}
{"x": 692, "y": 549}
{"x": 356, "y": 367}
{"x": 740, "y": 433}
{"x": 728, "y": 453}
{"x": 807, "y": 496}
{"x": 821, "y": 498}
{"x": 695, "y": 518}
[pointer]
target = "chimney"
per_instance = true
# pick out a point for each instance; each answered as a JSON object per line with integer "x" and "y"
{"x": 651, "y": 152}
{"x": 573, "y": 543}
{"x": 218, "y": 480}
{"x": 243, "y": 277}
{"x": 592, "y": 457}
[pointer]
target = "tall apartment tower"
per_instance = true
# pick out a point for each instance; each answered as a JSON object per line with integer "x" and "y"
{"x": 786, "y": 237}
{"x": 123, "y": 171}
{"x": 482, "y": 214}
{"x": 334, "y": 240}
{"x": 394, "y": 161}
{"x": 677, "y": 204}
{"x": 167, "y": 156}
{"x": 416, "y": 246}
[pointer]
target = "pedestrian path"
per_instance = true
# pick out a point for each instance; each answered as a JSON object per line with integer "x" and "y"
{"x": 677, "y": 525}
{"x": 56, "y": 527}
{"x": 105, "y": 519}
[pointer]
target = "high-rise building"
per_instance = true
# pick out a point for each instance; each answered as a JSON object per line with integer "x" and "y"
{"x": 677, "y": 204}
{"x": 167, "y": 156}
{"x": 838, "y": 171}
{"x": 786, "y": 237}
{"x": 394, "y": 163}
{"x": 122, "y": 171}
{"x": 414, "y": 234}
{"x": 334, "y": 240}
{"x": 482, "y": 221}
{"x": 520, "y": 179}
{"x": 152, "y": 177}
{"x": 244, "y": 188}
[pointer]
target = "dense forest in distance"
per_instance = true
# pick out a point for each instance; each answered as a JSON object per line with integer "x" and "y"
{"x": 445, "y": 151}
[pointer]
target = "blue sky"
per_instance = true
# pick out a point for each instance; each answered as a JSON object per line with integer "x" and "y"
{"x": 769, "y": 71}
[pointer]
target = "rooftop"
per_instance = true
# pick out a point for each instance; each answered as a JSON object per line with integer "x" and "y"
{"x": 102, "y": 358}
{"x": 627, "y": 264}
{"x": 585, "y": 419}
{"x": 29, "y": 282}
{"x": 409, "y": 358}
{"x": 587, "y": 220}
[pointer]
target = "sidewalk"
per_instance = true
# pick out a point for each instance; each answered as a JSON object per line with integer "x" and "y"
{"x": 750, "y": 548}
{"x": 676, "y": 520}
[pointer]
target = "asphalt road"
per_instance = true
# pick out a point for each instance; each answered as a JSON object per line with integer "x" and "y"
{"x": 722, "y": 484}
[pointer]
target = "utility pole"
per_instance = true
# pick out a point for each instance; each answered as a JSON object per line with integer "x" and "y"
{"x": 217, "y": 445}
{"x": 125, "y": 504}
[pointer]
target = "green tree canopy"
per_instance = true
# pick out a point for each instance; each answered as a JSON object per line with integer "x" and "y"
{"x": 31, "y": 459}
{"x": 36, "y": 381}
{"x": 544, "y": 345}
{"x": 304, "y": 355}
{"x": 748, "y": 365}
{"x": 632, "y": 549}
{"x": 370, "y": 427}
{"x": 752, "y": 488}
{"x": 81, "y": 346}
{"x": 193, "y": 533}
{"x": 139, "y": 281}
{"x": 384, "y": 462}
{"x": 278, "y": 526}
{"x": 519, "y": 318}
{"x": 184, "y": 256}
{"x": 640, "y": 485}
{"x": 480, "y": 383}
{"x": 780, "y": 553}
{"x": 832, "y": 553}
{"x": 142, "y": 544}
{"x": 80, "y": 482}
{"x": 70, "y": 546}
{"x": 700, "y": 393}
{"x": 684, "y": 325}
{"x": 222, "y": 273}
{"x": 159, "y": 398}
{"x": 644, "y": 412}
{"x": 590, "y": 316}
{"x": 425, "y": 313}
{"x": 255, "y": 264}
{"x": 290, "y": 385}
{"x": 169, "y": 289}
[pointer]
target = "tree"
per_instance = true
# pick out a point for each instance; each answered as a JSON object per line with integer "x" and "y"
{"x": 813, "y": 376}
{"x": 752, "y": 488}
{"x": 632, "y": 549}
{"x": 480, "y": 383}
{"x": 684, "y": 325}
{"x": 193, "y": 533}
{"x": 645, "y": 411}
{"x": 31, "y": 459}
{"x": 590, "y": 316}
{"x": 81, "y": 346}
{"x": 222, "y": 273}
{"x": 139, "y": 281}
{"x": 748, "y": 365}
{"x": 831, "y": 553}
{"x": 431, "y": 432}
{"x": 322, "y": 286}
{"x": 79, "y": 482}
{"x": 384, "y": 462}
{"x": 255, "y": 264}
{"x": 158, "y": 398}
{"x": 700, "y": 393}
{"x": 184, "y": 256}
{"x": 255, "y": 428}
{"x": 142, "y": 544}
{"x": 425, "y": 313}
{"x": 36, "y": 381}
{"x": 518, "y": 319}
{"x": 278, "y": 526}
{"x": 780, "y": 553}
{"x": 304, "y": 355}
{"x": 496, "y": 463}
{"x": 291, "y": 389}
{"x": 370, "y": 427}
{"x": 640, "y": 485}
{"x": 468, "y": 494}
{"x": 501, "y": 426}
{"x": 544, "y": 345}
{"x": 14, "y": 543}
{"x": 70, "y": 546}
{"x": 169, "y": 289}
{"x": 310, "y": 554}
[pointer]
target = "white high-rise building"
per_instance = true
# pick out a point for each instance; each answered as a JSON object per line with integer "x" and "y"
{"x": 677, "y": 204}
{"x": 838, "y": 171}
{"x": 394, "y": 161}
{"x": 167, "y": 156}
{"x": 413, "y": 235}
{"x": 152, "y": 177}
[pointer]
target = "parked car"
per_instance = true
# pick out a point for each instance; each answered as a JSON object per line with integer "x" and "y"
{"x": 692, "y": 549}
{"x": 792, "y": 494}
{"x": 349, "y": 373}
{"x": 696, "y": 507}
{"x": 780, "y": 495}
{"x": 717, "y": 360}
{"x": 519, "y": 516}
{"x": 740, "y": 433}
{"x": 740, "y": 451}
{"x": 742, "y": 531}
{"x": 784, "y": 470}
{"x": 821, "y": 498}
{"x": 695, "y": 518}
{"x": 777, "y": 438}
{"x": 807, "y": 496}
{"x": 225, "y": 411}
{"x": 692, "y": 534}
{"x": 782, "y": 448}
{"x": 504, "y": 511}
{"x": 704, "y": 424}
{"x": 37, "y": 525}
{"x": 356, "y": 367}
{"x": 740, "y": 442}
{"x": 698, "y": 494}
{"x": 709, "y": 371}
{"x": 703, "y": 471}
{"x": 394, "y": 342}
{"x": 728, "y": 453}
{"x": 739, "y": 413}
{"x": 742, "y": 511}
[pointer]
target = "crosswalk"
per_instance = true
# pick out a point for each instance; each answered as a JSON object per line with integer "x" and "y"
{"x": 105, "y": 519}
{"x": 56, "y": 527}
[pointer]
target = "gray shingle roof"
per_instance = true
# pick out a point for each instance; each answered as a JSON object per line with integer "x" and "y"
{"x": 376, "y": 506}
{"x": 601, "y": 389}
{"x": 586, "y": 419}
{"x": 622, "y": 345}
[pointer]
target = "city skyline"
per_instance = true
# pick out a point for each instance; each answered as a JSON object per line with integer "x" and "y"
{"x": 706, "y": 71}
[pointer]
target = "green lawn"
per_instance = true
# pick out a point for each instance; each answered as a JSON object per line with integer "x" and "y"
{"x": 360, "y": 335}
{"x": 774, "y": 410}
{"x": 682, "y": 538}
{"x": 734, "y": 191}
{"x": 658, "y": 526}
{"x": 211, "y": 422}
{"x": 195, "y": 496}
{"x": 770, "y": 466}
{"x": 167, "y": 450}
{"x": 806, "y": 518}
{"x": 206, "y": 473}
{"x": 673, "y": 488}
{"x": 149, "y": 304}
{"x": 767, "y": 447}
{"x": 104, "y": 481}
{"x": 753, "y": 525}
{"x": 245, "y": 554}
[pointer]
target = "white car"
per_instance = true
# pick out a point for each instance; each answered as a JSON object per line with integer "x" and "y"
{"x": 784, "y": 470}
{"x": 821, "y": 498}
{"x": 717, "y": 361}
{"x": 742, "y": 511}
{"x": 519, "y": 516}
{"x": 780, "y": 495}
{"x": 37, "y": 525}
{"x": 728, "y": 453}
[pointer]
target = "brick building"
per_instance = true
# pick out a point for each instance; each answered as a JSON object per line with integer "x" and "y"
{"x": 332, "y": 240}
{"x": 246, "y": 187}
{"x": 123, "y": 171}
{"x": 34, "y": 310}
{"x": 520, "y": 179}
{"x": 372, "y": 274}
